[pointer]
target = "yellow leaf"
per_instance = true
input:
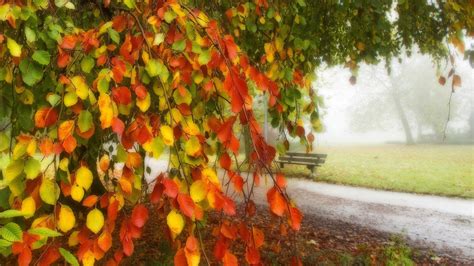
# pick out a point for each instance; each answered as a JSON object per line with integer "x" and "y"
{"x": 84, "y": 177}
{"x": 167, "y": 133}
{"x": 63, "y": 164}
{"x": 106, "y": 110}
{"x": 28, "y": 207}
{"x": 192, "y": 146}
{"x": 95, "y": 220}
{"x": 77, "y": 192}
{"x": 175, "y": 222}
{"x": 81, "y": 87}
{"x": 144, "y": 104}
{"x": 31, "y": 148}
{"x": 70, "y": 99}
{"x": 73, "y": 239}
{"x": 67, "y": 220}
{"x": 210, "y": 175}
{"x": 49, "y": 191}
{"x": 198, "y": 191}
{"x": 88, "y": 259}
{"x": 14, "y": 47}
{"x": 191, "y": 128}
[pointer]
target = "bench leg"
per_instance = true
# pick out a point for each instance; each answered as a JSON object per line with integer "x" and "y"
{"x": 313, "y": 171}
{"x": 282, "y": 165}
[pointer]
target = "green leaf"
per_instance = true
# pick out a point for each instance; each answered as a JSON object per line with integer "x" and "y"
{"x": 44, "y": 231}
{"x": 11, "y": 232}
{"x": 85, "y": 121}
{"x": 69, "y": 257}
{"x": 30, "y": 34}
{"x": 204, "y": 57}
{"x": 130, "y": 3}
{"x": 87, "y": 64}
{"x": 42, "y": 57}
{"x": 114, "y": 35}
{"x": 60, "y": 3}
{"x": 5, "y": 243}
{"x": 169, "y": 16}
{"x": 14, "y": 47}
{"x": 32, "y": 168}
{"x": 13, "y": 170}
{"x": 154, "y": 67}
{"x": 179, "y": 45}
{"x": 159, "y": 38}
{"x": 10, "y": 214}
{"x": 53, "y": 99}
{"x": 31, "y": 72}
{"x": 4, "y": 142}
{"x": 157, "y": 147}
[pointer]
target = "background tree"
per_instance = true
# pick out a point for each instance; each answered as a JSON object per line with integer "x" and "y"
{"x": 155, "y": 76}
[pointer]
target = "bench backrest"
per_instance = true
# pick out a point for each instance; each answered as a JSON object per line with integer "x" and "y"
{"x": 315, "y": 158}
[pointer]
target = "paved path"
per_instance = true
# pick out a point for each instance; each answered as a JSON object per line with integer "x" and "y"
{"x": 444, "y": 224}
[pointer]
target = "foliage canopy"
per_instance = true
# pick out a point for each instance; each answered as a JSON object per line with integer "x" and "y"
{"x": 160, "y": 77}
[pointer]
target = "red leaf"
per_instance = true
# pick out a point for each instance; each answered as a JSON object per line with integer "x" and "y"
{"x": 140, "y": 91}
{"x": 118, "y": 126}
{"x": 128, "y": 247}
{"x": 139, "y": 215}
{"x": 225, "y": 161}
{"x": 192, "y": 244}
{"x": 237, "y": 180}
{"x": 186, "y": 204}
{"x": 122, "y": 95}
{"x": 50, "y": 256}
{"x": 45, "y": 117}
{"x": 228, "y": 206}
{"x": 156, "y": 193}
{"x": 25, "y": 257}
{"x": 276, "y": 201}
{"x": 180, "y": 258}
{"x": 171, "y": 188}
{"x": 252, "y": 255}
{"x": 237, "y": 88}
{"x": 118, "y": 70}
{"x": 231, "y": 47}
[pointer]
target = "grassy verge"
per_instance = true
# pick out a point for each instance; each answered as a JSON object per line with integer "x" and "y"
{"x": 428, "y": 169}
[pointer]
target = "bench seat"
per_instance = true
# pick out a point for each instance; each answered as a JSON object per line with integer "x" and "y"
{"x": 310, "y": 160}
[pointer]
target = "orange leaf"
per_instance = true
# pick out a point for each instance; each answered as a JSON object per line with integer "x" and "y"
{"x": 69, "y": 144}
{"x": 68, "y": 42}
{"x": 230, "y": 259}
{"x": 90, "y": 201}
{"x": 65, "y": 129}
{"x": 276, "y": 201}
{"x": 280, "y": 180}
{"x": 258, "y": 237}
{"x": 296, "y": 216}
{"x": 105, "y": 240}
{"x": 456, "y": 81}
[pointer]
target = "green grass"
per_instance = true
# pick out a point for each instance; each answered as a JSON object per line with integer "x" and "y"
{"x": 428, "y": 169}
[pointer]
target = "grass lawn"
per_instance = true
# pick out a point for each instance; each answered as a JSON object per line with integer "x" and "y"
{"x": 429, "y": 169}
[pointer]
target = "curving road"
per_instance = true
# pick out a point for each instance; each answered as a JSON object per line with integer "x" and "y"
{"x": 445, "y": 225}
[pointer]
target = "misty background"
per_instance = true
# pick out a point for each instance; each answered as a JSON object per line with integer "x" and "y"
{"x": 406, "y": 105}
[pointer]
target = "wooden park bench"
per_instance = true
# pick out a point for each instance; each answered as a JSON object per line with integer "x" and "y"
{"x": 311, "y": 160}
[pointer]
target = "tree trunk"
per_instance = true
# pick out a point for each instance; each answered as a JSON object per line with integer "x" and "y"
{"x": 403, "y": 118}
{"x": 247, "y": 142}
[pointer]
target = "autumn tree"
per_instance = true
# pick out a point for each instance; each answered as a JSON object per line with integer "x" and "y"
{"x": 177, "y": 77}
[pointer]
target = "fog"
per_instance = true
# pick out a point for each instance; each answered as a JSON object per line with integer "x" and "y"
{"x": 365, "y": 113}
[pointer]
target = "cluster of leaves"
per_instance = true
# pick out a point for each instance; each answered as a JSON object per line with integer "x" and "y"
{"x": 153, "y": 78}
